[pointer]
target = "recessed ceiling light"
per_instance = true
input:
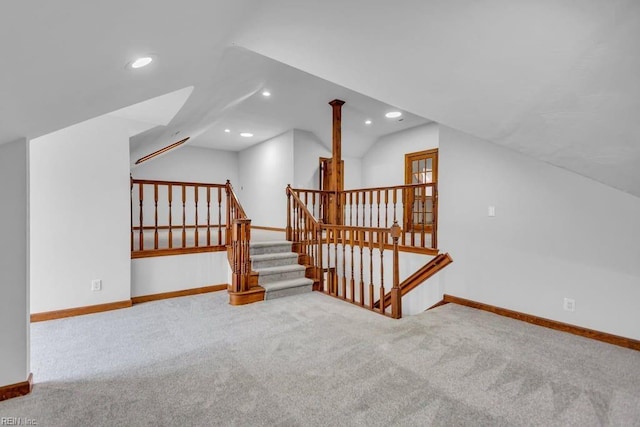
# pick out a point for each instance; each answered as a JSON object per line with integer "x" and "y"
{"x": 246, "y": 134}
{"x": 141, "y": 62}
{"x": 367, "y": 122}
{"x": 266, "y": 93}
{"x": 393, "y": 114}
{"x": 227, "y": 130}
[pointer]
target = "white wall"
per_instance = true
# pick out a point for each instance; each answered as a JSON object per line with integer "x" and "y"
{"x": 174, "y": 273}
{"x": 555, "y": 235}
{"x": 383, "y": 164}
{"x": 307, "y": 150}
{"x": 264, "y": 172}
{"x": 80, "y": 215}
{"x": 14, "y": 263}
{"x": 191, "y": 164}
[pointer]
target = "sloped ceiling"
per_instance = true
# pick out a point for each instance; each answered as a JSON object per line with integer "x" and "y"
{"x": 555, "y": 79}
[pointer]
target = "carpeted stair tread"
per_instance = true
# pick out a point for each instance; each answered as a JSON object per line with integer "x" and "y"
{"x": 267, "y": 271}
{"x": 287, "y": 284}
{"x": 274, "y": 256}
{"x": 260, "y": 248}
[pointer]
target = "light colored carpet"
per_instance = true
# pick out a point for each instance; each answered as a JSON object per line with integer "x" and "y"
{"x": 313, "y": 360}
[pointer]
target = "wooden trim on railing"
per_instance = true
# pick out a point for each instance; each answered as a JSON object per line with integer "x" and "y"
{"x": 79, "y": 311}
{"x": 392, "y": 187}
{"x": 188, "y": 227}
{"x": 182, "y": 293}
{"x": 162, "y": 151}
{"x": 17, "y": 390}
{"x": 548, "y": 323}
{"x": 177, "y": 183}
{"x": 258, "y": 227}
{"x": 176, "y": 251}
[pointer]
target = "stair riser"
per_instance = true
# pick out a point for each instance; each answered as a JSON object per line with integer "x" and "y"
{"x": 276, "y": 249}
{"x": 287, "y": 292}
{"x": 287, "y": 275}
{"x": 274, "y": 262}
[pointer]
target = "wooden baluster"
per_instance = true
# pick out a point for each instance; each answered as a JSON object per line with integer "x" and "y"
{"x": 364, "y": 207}
{"x": 352, "y": 283}
{"x": 424, "y": 216}
{"x": 184, "y": 216}
{"x": 434, "y": 232}
{"x": 155, "y": 226}
{"x": 382, "y": 293}
{"x": 131, "y": 210}
{"x": 335, "y": 257}
{"x": 140, "y": 202}
{"x": 405, "y": 212}
{"x": 196, "y": 195}
{"x": 313, "y": 207}
{"x": 219, "y": 215}
{"x": 386, "y": 207}
{"x": 370, "y": 208}
{"x": 208, "y": 215}
{"x": 319, "y": 264}
{"x": 288, "y": 229}
{"x": 344, "y": 263}
{"x": 350, "y": 209}
{"x": 357, "y": 203}
{"x": 227, "y": 233}
{"x": 371, "y": 298}
{"x": 411, "y": 212}
{"x": 170, "y": 198}
{"x": 361, "y": 245}
{"x": 395, "y": 201}
{"x": 396, "y": 296}
{"x": 378, "y": 203}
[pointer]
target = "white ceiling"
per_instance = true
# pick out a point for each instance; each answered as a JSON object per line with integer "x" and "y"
{"x": 555, "y": 79}
{"x": 298, "y": 101}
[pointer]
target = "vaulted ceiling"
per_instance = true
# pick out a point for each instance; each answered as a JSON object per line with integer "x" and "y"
{"x": 554, "y": 79}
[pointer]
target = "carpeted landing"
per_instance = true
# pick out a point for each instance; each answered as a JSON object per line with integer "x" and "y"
{"x": 312, "y": 360}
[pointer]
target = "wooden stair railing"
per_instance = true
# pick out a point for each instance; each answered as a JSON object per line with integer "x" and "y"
{"x": 420, "y": 276}
{"x": 171, "y": 218}
{"x": 304, "y": 231}
{"x": 354, "y": 266}
{"x": 413, "y": 205}
{"x": 241, "y": 291}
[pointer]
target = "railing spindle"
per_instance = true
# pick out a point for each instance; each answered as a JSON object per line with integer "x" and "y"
{"x": 155, "y": 227}
{"x": 141, "y": 198}
{"x": 184, "y": 216}
{"x": 208, "y": 216}
{"x": 195, "y": 195}
{"x": 170, "y": 197}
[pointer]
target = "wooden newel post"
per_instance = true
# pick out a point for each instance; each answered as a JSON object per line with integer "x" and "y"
{"x": 288, "y": 229}
{"x": 396, "y": 296}
{"x": 337, "y": 180}
{"x": 228, "y": 226}
{"x": 241, "y": 235}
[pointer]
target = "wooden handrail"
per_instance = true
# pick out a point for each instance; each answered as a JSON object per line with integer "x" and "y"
{"x": 417, "y": 278}
{"x": 414, "y": 205}
{"x": 175, "y": 207}
{"x": 304, "y": 231}
{"x": 177, "y": 183}
{"x": 428, "y": 184}
{"x": 238, "y": 247}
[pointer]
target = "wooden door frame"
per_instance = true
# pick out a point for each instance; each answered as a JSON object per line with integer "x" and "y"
{"x": 408, "y": 179}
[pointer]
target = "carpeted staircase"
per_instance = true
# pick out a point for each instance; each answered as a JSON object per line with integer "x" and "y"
{"x": 279, "y": 272}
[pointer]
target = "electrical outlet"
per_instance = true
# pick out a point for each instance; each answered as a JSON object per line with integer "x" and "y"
{"x": 492, "y": 211}
{"x": 569, "y": 304}
{"x": 96, "y": 285}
